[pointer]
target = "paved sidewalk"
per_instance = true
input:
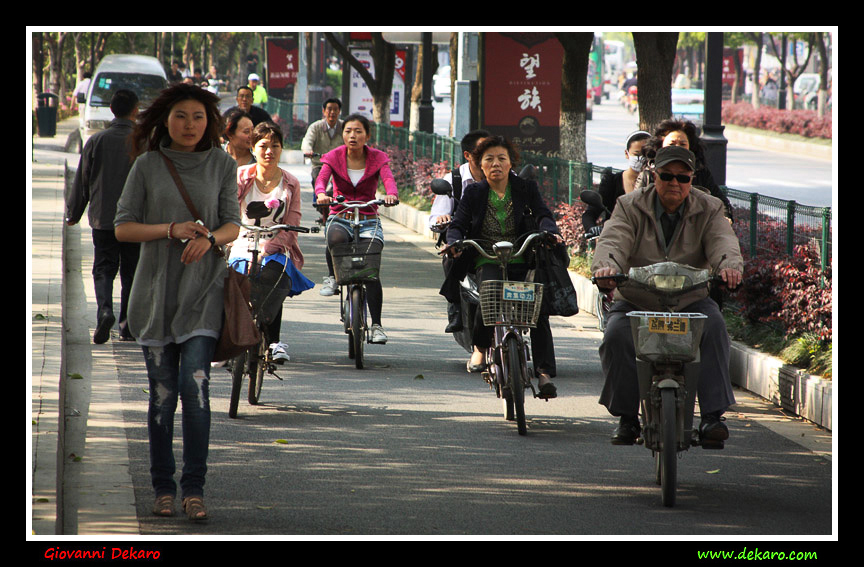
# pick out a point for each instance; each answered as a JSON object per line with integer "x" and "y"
{"x": 79, "y": 478}
{"x": 80, "y": 474}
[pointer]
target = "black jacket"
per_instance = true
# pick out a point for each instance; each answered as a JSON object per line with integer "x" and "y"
{"x": 105, "y": 162}
{"x": 468, "y": 221}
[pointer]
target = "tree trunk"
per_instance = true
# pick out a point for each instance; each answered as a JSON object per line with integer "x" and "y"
{"x": 757, "y": 65}
{"x": 384, "y": 57}
{"x": 574, "y": 87}
{"x": 655, "y": 55}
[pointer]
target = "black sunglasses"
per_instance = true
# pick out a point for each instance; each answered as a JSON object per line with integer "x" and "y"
{"x": 681, "y": 178}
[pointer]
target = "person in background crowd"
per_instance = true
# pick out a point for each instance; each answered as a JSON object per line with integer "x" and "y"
{"x": 259, "y": 95}
{"x": 102, "y": 170}
{"x": 683, "y": 133}
{"x": 613, "y": 186}
{"x": 323, "y": 135}
{"x": 444, "y": 206}
{"x": 244, "y": 102}
{"x": 238, "y": 136}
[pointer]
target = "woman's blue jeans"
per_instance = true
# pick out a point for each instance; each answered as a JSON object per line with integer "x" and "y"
{"x": 179, "y": 371}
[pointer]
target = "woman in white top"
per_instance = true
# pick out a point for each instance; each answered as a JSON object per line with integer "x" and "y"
{"x": 265, "y": 188}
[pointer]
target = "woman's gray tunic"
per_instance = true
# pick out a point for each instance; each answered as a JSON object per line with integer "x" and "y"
{"x": 170, "y": 301}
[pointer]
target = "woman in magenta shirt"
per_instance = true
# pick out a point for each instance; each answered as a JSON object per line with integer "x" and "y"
{"x": 356, "y": 170}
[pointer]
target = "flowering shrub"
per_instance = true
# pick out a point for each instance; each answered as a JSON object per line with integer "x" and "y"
{"x": 413, "y": 176}
{"x": 801, "y": 122}
{"x": 804, "y": 293}
{"x": 569, "y": 220}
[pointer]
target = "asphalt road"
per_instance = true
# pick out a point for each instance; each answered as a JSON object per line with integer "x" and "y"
{"x": 807, "y": 180}
{"x": 414, "y": 445}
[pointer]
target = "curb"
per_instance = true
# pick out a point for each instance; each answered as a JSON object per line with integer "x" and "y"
{"x": 779, "y": 144}
{"x": 809, "y": 397}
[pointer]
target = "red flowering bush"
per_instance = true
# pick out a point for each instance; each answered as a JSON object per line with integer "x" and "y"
{"x": 569, "y": 220}
{"x": 804, "y": 293}
{"x": 413, "y": 175}
{"x": 801, "y": 122}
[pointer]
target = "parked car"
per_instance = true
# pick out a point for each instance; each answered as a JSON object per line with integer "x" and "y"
{"x": 141, "y": 74}
{"x": 441, "y": 83}
{"x": 689, "y": 104}
{"x": 806, "y": 91}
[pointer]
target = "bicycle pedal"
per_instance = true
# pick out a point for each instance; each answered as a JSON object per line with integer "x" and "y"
{"x": 713, "y": 445}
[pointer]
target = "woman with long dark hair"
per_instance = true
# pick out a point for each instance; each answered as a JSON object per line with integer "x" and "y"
{"x": 176, "y": 303}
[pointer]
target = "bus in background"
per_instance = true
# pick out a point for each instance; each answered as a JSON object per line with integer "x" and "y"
{"x": 596, "y": 75}
{"x": 614, "y": 58}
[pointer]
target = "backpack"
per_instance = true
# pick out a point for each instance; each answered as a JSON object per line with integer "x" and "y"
{"x": 456, "y": 184}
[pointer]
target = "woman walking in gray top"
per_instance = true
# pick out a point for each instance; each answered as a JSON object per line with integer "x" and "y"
{"x": 176, "y": 306}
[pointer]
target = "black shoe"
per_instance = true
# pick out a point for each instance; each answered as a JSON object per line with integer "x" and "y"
{"x": 454, "y": 318}
{"x": 103, "y": 328}
{"x": 628, "y": 430}
{"x": 712, "y": 431}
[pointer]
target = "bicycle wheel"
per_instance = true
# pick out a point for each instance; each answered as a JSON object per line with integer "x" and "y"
{"x": 358, "y": 333}
{"x": 516, "y": 381}
{"x": 257, "y": 366}
{"x": 669, "y": 450}
{"x": 238, "y": 368}
{"x": 346, "y": 320}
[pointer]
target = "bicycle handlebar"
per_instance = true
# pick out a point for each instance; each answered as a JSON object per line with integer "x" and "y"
{"x": 275, "y": 227}
{"x": 460, "y": 244}
{"x": 359, "y": 204}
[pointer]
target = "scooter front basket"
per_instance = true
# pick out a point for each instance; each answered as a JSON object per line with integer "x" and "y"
{"x": 666, "y": 337}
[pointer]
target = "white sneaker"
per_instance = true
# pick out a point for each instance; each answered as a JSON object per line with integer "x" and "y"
{"x": 329, "y": 286}
{"x": 379, "y": 337}
{"x": 279, "y": 353}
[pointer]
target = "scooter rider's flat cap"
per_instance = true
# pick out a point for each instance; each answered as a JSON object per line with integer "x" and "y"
{"x": 675, "y": 153}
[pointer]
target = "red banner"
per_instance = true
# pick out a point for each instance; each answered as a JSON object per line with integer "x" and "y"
{"x": 522, "y": 88}
{"x": 283, "y": 64}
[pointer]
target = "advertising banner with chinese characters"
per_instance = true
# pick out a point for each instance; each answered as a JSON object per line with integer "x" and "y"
{"x": 361, "y": 99}
{"x": 522, "y": 89}
{"x": 282, "y": 57}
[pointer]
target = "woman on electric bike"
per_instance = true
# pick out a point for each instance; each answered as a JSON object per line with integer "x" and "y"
{"x": 356, "y": 170}
{"x": 494, "y": 210}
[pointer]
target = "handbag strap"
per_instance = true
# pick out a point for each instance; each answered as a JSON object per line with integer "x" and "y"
{"x": 182, "y": 188}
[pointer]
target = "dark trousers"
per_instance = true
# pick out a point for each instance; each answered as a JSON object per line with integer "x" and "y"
{"x": 542, "y": 347}
{"x": 620, "y": 392}
{"x": 109, "y": 257}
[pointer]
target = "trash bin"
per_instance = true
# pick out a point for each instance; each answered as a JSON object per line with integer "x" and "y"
{"x": 46, "y": 114}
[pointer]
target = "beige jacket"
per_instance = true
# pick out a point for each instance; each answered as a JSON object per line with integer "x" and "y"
{"x": 632, "y": 237}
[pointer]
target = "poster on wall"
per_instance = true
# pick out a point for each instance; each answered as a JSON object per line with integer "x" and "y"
{"x": 360, "y": 97}
{"x": 282, "y": 62}
{"x": 522, "y": 89}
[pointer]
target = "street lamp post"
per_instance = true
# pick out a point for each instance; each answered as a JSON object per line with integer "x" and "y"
{"x": 427, "y": 112}
{"x": 712, "y": 130}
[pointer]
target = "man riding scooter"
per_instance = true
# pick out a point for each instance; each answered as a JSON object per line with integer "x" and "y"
{"x": 666, "y": 221}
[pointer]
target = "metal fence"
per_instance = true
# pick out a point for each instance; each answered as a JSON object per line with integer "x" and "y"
{"x": 766, "y": 226}
{"x": 293, "y": 118}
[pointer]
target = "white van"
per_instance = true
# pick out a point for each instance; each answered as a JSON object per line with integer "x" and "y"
{"x": 140, "y": 74}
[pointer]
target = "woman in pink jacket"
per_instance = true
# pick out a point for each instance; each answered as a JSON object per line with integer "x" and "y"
{"x": 356, "y": 170}
{"x": 269, "y": 195}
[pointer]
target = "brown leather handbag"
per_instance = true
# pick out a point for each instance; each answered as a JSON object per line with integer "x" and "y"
{"x": 239, "y": 331}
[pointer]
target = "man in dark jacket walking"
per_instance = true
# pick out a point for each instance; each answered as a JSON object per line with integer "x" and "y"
{"x": 105, "y": 162}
